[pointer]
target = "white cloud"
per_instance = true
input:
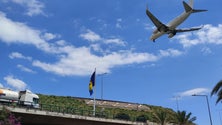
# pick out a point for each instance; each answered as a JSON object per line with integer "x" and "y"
{"x": 115, "y": 41}
{"x": 15, "y": 83}
{"x": 90, "y": 36}
{"x": 97, "y": 48}
{"x": 16, "y": 32}
{"x": 25, "y": 69}
{"x": 18, "y": 55}
{"x": 197, "y": 91}
{"x": 209, "y": 34}
{"x": 170, "y": 52}
{"x": 94, "y": 37}
{"x": 1, "y": 85}
{"x": 49, "y": 36}
{"x": 119, "y": 20}
{"x": 34, "y": 7}
{"x": 61, "y": 42}
{"x": 206, "y": 50}
{"x": 118, "y": 23}
{"x": 83, "y": 61}
{"x": 148, "y": 26}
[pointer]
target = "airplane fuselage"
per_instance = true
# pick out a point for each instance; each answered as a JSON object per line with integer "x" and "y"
{"x": 171, "y": 28}
{"x": 172, "y": 25}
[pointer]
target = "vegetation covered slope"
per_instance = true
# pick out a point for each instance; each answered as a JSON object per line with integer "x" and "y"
{"x": 78, "y": 106}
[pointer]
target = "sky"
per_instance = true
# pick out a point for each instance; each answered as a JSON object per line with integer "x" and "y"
{"x": 52, "y": 47}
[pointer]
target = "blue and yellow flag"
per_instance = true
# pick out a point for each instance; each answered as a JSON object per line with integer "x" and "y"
{"x": 92, "y": 83}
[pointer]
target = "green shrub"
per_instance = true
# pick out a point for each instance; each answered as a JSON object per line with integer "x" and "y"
{"x": 122, "y": 116}
{"x": 142, "y": 118}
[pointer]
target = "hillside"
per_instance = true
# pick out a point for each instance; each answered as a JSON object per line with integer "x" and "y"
{"x": 104, "y": 108}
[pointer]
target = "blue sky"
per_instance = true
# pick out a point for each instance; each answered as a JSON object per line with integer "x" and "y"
{"x": 53, "y": 46}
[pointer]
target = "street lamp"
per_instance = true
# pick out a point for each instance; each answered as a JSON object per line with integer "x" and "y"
{"x": 220, "y": 118}
{"x": 177, "y": 97}
{"x": 102, "y": 83}
{"x": 207, "y": 106}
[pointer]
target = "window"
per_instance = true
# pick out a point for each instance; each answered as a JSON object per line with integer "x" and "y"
{"x": 35, "y": 100}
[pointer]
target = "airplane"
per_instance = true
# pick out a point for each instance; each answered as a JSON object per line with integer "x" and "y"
{"x": 170, "y": 28}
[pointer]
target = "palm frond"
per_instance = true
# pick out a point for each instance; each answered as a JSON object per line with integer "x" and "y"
{"x": 219, "y": 98}
{"x": 216, "y": 88}
{"x": 182, "y": 118}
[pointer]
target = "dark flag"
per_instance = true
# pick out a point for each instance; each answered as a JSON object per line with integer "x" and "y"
{"x": 92, "y": 83}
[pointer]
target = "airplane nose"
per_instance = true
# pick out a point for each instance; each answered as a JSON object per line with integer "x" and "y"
{"x": 151, "y": 38}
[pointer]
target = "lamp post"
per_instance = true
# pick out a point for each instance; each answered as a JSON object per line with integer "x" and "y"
{"x": 220, "y": 118}
{"x": 207, "y": 106}
{"x": 102, "y": 84}
{"x": 177, "y": 97}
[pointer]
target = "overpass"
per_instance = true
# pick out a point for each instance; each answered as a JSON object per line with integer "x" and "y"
{"x": 40, "y": 117}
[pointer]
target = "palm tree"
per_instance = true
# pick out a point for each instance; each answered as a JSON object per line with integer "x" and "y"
{"x": 217, "y": 90}
{"x": 161, "y": 117}
{"x": 182, "y": 118}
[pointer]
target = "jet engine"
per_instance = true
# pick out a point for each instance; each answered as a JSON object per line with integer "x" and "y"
{"x": 171, "y": 34}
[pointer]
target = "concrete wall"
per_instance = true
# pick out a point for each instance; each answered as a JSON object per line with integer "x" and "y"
{"x": 38, "y": 117}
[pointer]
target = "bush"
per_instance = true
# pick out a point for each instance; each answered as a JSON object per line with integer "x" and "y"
{"x": 122, "y": 116}
{"x": 142, "y": 118}
{"x": 7, "y": 118}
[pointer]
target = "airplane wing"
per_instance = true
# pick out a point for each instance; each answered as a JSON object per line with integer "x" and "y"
{"x": 187, "y": 30}
{"x": 155, "y": 21}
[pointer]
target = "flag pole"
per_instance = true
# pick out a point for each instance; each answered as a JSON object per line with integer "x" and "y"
{"x": 94, "y": 100}
{"x": 94, "y": 103}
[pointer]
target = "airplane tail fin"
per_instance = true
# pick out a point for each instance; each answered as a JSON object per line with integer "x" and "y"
{"x": 189, "y": 8}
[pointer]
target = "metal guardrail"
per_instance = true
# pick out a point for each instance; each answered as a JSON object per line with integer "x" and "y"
{"x": 76, "y": 111}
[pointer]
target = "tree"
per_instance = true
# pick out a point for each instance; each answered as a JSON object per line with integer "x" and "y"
{"x": 182, "y": 118}
{"x": 161, "y": 117}
{"x": 217, "y": 90}
{"x": 7, "y": 118}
